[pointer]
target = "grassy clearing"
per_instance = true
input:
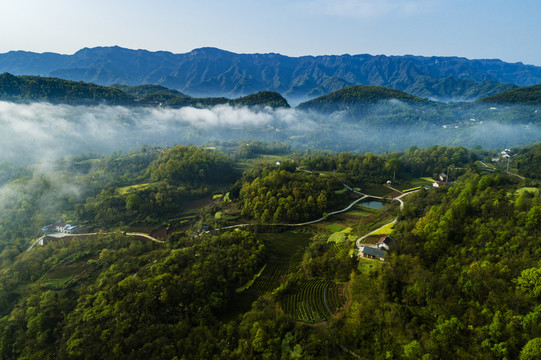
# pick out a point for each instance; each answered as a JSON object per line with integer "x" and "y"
{"x": 412, "y": 189}
{"x": 367, "y": 266}
{"x": 413, "y": 183}
{"x": 372, "y": 223}
{"x": 132, "y": 188}
{"x": 338, "y": 175}
{"x": 337, "y": 237}
{"x": 376, "y": 190}
{"x": 56, "y": 284}
{"x": 250, "y": 163}
{"x": 386, "y": 230}
{"x": 364, "y": 211}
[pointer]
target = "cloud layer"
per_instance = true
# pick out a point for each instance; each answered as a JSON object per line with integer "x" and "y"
{"x": 41, "y": 132}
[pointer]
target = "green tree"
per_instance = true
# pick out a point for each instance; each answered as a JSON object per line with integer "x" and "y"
{"x": 532, "y": 350}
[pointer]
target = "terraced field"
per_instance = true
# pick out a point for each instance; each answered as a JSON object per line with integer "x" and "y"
{"x": 285, "y": 254}
{"x": 62, "y": 275}
{"x": 274, "y": 273}
{"x": 315, "y": 301}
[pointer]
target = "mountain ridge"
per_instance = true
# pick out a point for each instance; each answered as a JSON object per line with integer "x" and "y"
{"x": 31, "y": 88}
{"x": 214, "y": 72}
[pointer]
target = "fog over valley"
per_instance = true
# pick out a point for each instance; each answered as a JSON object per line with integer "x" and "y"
{"x": 41, "y": 132}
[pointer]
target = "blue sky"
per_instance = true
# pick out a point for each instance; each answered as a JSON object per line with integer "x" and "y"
{"x": 508, "y": 30}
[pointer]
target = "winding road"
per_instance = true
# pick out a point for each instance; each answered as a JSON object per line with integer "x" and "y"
{"x": 347, "y": 208}
{"x": 359, "y": 243}
{"x": 63, "y": 235}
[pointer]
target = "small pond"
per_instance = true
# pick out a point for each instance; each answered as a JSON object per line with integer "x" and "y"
{"x": 374, "y": 204}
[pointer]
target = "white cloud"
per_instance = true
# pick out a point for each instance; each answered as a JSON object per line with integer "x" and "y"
{"x": 367, "y": 9}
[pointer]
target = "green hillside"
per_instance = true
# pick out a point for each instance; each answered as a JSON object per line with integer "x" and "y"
{"x": 58, "y": 91}
{"x": 180, "y": 259}
{"x": 530, "y": 95}
{"x": 455, "y": 89}
{"x": 140, "y": 91}
{"x": 262, "y": 98}
{"x": 355, "y": 96}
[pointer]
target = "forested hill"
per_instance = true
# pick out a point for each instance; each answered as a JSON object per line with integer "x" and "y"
{"x": 60, "y": 91}
{"x": 452, "y": 89}
{"x": 140, "y": 91}
{"x": 213, "y": 72}
{"x": 53, "y": 90}
{"x": 356, "y": 96}
{"x": 530, "y": 95}
{"x": 268, "y": 98}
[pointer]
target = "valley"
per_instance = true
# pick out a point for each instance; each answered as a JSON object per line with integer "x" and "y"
{"x": 268, "y": 239}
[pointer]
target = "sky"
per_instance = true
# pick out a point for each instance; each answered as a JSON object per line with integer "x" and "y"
{"x": 509, "y": 30}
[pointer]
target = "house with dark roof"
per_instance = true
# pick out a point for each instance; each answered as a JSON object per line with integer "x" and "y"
{"x": 385, "y": 243}
{"x": 371, "y": 253}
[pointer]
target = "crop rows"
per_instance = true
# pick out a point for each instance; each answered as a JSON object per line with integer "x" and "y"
{"x": 269, "y": 279}
{"x": 296, "y": 259}
{"x": 336, "y": 248}
{"x": 335, "y": 297}
{"x": 315, "y": 301}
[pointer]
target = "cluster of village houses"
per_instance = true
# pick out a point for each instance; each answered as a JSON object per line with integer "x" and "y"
{"x": 60, "y": 227}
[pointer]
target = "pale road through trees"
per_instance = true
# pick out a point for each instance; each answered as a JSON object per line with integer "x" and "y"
{"x": 63, "y": 235}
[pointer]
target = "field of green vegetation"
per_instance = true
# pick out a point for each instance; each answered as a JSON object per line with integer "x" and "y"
{"x": 413, "y": 184}
{"x": 285, "y": 254}
{"x": 315, "y": 301}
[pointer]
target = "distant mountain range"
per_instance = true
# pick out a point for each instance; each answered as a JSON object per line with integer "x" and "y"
{"x": 211, "y": 72}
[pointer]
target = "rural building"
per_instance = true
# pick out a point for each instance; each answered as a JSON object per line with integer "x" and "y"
{"x": 385, "y": 242}
{"x": 60, "y": 227}
{"x": 371, "y": 253}
{"x": 49, "y": 229}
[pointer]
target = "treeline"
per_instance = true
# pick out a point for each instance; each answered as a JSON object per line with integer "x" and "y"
{"x": 281, "y": 196}
{"x": 398, "y": 165}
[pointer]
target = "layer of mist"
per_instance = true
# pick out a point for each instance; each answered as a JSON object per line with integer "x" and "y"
{"x": 41, "y": 132}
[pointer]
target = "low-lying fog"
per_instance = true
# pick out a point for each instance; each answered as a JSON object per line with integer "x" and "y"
{"x": 43, "y": 132}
